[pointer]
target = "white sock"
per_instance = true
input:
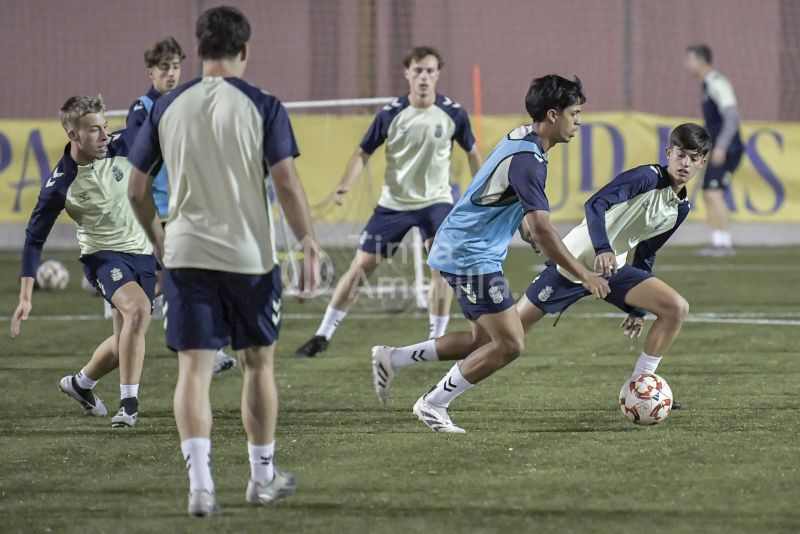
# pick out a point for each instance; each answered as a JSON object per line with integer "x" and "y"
{"x": 84, "y": 381}
{"x": 726, "y": 240}
{"x": 438, "y": 325}
{"x": 262, "y": 465}
{"x": 197, "y": 455}
{"x": 451, "y": 386}
{"x": 127, "y": 391}
{"x": 646, "y": 364}
{"x": 721, "y": 238}
{"x": 421, "y": 352}
{"x": 330, "y": 321}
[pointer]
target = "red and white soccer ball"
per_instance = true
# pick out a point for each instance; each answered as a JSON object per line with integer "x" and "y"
{"x": 52, "y": 275}
{"x": 646, "y": 399}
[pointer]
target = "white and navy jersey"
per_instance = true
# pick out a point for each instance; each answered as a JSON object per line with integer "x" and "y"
{"x": 716, "y": 96}
{"x": 95, "y": 196}
{"x": 217, "y": 137}
{"x": 139, "y": 110}
{"x": 636, "y": 210}
{"x": 474, "y": 237}
{"x": 419, "y": 144}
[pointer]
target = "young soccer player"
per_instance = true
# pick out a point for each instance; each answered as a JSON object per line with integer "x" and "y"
{"x": 721, "y": 114}
{"x": 91, "y": 183}
{"x": 219, "y": 138}
{"x": 639, "y": 210}
{"x": 419, "y": 130}
{"x": 472, "y": 244}
{"x": 163, "y": 62}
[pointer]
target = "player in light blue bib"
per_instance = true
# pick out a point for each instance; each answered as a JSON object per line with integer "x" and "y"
{"x": 638, "y": 211}
{"x": 472, "y": 243}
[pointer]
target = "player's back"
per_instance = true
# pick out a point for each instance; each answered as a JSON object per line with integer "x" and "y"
{"x": 213, "y": 134}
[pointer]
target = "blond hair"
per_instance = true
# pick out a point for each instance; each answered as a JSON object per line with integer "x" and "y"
{"x": 77, "y": 106}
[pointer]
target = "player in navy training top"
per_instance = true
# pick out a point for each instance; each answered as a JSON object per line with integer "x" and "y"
{"x": 721, "y": 114}
{"x": 163, "y": 61}
{"x": 419, "y": 130}
{"x": 90, "y": 183}
{"x": 220, "y": 138}
{"x": 472, "y": 244}
{"x": 637, "y": 211}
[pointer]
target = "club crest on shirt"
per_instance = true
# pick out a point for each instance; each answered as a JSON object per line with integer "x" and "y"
{"x": 439, "y": 130}
{"x": 116, "y": 172}
{"x": 545, "y": 293}
{"x": 496, "y": 294}
{"x": 116, "y": 274}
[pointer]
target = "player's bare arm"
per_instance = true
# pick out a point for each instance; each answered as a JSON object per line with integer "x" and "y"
{"x": 140, "y": 195}
{"x": 292, "y": 197}
{"x": 24, "y": 306}
{"x": 550, "y": 243}
{"x": 354, "y": 166}
{"x": 475, "y": 159}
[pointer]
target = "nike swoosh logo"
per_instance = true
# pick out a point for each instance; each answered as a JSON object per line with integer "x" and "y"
{"x": 52, "y": 180}
{"x": 137, "y": 108}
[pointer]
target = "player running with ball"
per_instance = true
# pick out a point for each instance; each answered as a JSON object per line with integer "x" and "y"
{"x": 637, "y": 211}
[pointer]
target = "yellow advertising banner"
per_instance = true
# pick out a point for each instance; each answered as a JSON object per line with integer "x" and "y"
{"x": 766, "y": 186}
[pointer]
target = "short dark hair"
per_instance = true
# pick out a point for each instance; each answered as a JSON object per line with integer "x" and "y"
{"x": 164, "y": 50}
{"x": 221, "y": 32}
{"x": 702, "y": 51}
{"x": 691, "y": 136}
{"x": 420, "y": 52}
{"x": 552, "y": 92}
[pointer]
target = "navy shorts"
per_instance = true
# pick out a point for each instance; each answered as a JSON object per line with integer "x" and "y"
{"x": 387, "y": 228}
{"x": 554, "y": 293}
{"x": 480, "y": 294}
{"x": 212, "y": 309}
{"x": 108, "y": 271}
{"x": 719, "y": 176}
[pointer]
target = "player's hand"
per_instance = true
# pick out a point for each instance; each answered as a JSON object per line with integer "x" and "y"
{"x": 20, "y": 314}
{"x": 526, "y": 236}
{"x": 597, "y": 286}
{"x": 338, "y": 196}
{"x": 717, "y": 157}
{"x": 310, "y": 277}
{"x": 605, "y": 264}
{"x": 632, "y": 326}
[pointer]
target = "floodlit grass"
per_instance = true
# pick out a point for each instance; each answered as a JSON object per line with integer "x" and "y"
{"x": 547, "y": 449}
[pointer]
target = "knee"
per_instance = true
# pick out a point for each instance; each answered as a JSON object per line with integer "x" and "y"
{"x": 361, "y": 268}
{"x": 677, "y": 309}
{"x": 137, "y": 316}
{"x": 509, "y": 349}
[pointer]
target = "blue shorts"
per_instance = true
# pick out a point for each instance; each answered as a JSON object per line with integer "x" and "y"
{"x": 719, "y": 176}
{"x": 212, "y": 309}
{"x": 108, "y": 271}
{"x": 554, "y": 293}
{"x": 386, "y": 228}
{"x": 480, "y": 294}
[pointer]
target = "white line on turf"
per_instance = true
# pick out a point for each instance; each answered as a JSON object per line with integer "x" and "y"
{"x": 754, "y": 318}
